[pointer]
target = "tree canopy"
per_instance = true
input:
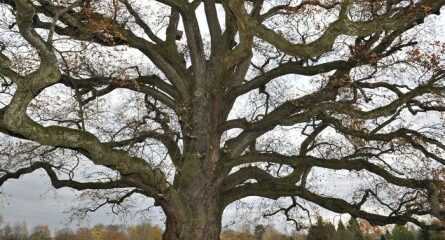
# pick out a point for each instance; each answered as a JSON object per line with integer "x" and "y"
{"x": 198, "y": 104}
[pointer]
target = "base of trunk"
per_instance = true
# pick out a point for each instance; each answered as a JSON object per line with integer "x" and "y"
{"x": 194, "y": 229}
{"x": 200, "y": 222}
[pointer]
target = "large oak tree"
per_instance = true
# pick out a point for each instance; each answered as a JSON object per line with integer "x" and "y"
{"x": 198, "y": 104}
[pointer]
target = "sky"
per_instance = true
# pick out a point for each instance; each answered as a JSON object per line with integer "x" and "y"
{"x": 33, "y": 199}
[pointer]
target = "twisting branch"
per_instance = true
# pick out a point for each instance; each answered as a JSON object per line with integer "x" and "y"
{"x": 60, "y": 183}
{"x": 407, "y": 17}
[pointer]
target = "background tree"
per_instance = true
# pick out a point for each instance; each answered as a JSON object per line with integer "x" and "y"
{"x": 7, "y": 232}
{"x": 64, "y": 234}
{"x": 20, "y": 231}
{"x": 1, "y": 223}
{"x": 354, "y": 227}
{"x": 145, "y": 231}
{"x": 272, "y": 233}
{"x": 99, "y": 232}
{"x": 84, "y": 233}
{"x": 342, "y": 233}
{"x": 230, "y": 234}
{"x": 368, "y": 231}
{"x": 40, "y": 232}
{"x": 198, "y": 104}
{"x": 259, "y": 231}
{"x": 423, "y": 234}
{"x": 116, "y": 232}
{"x": 401, "y": 233}
{"x": 321, "y": 230}
{"x": 433, "y": 235}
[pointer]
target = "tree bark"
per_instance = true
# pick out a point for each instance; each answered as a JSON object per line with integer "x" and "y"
{"x": 197, "y": 217}
{"x": 194, "y": 206}
{"x": 197, "y": 227}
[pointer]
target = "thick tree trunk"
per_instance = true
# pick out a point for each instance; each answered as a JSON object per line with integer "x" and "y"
{"x": 200, "y": 220}
{"x": 196, "y": 228}
{"x": 193, "y": 208}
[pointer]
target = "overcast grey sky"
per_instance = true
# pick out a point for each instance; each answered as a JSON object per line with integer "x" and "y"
{"x": 33, "y": 199}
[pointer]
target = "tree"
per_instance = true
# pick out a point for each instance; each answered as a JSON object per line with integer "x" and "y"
{"x": 259, "y": 231}
{"x": 40, "y": 232}
{"x": 342, "y": 233}
{"x": 65, "y": 234}
{"x": 321, "y": 230}
{"x": 99, "y": 232}
{"x": 116, "y": 232}
{"x": 435, "y": 235}
{"x": 369, "y": 231}
{"x": 401, "y": 233}
{"x": 20, "y": 231}
{"x": 230, "y": 234}
{"x": 423, "y": 234}
{"x": 145, "y": 231}
{"x": 341, "y": 226}
{"x": 7, "y": 232}
{"x": 354, "y": 227}
{"x": 273, "y": 234}
{"x": 83, "y": 234}
{"x": 1, "y": 229}
{"x": 148, "y": 92}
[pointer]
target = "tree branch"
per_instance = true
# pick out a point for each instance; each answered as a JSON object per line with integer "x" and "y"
{"x": 407, "y": 17}
{"x": 58, "y": 183}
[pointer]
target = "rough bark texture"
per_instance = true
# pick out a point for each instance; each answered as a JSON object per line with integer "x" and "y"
{"x": 198, "y": 217}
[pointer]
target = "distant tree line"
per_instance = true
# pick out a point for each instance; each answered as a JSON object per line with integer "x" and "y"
{"x": 362, "y": 230}
{"x": 354, "y": 229}
{"x": 324, "y": 230}
{"x": 141, "y": 231}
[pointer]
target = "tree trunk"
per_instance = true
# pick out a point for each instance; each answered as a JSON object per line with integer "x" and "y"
{"x": 200, "y": 220}
{"x": 193, "y": 208}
